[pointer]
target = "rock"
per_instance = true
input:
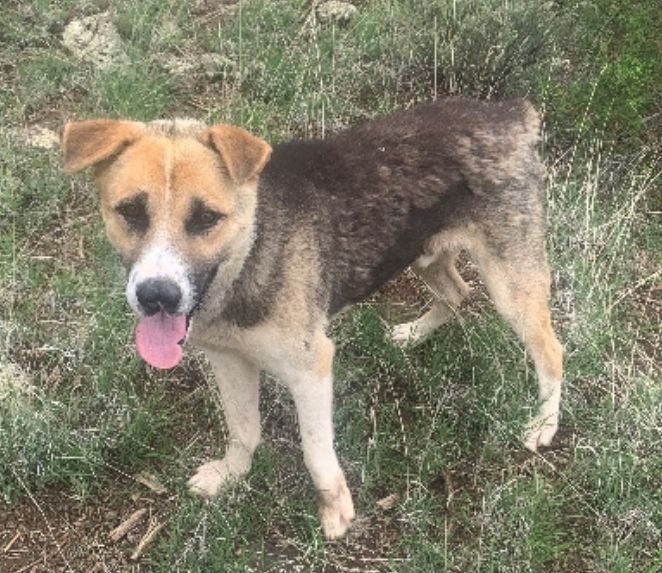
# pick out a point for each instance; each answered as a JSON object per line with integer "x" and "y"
{"x": 94, "y": 39}
{"x": 336, "y": 11}
{"x": 40, "y": 137}
{"x": 209, "y": 65}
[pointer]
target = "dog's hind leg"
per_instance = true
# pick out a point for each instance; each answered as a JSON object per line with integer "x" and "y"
{"x": 518, "y": 281}
{"x": 238, "y": 382}
{"x": 448, "y": 289}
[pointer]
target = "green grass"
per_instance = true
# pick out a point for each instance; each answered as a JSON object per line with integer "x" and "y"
{"x": 439, "y": 425}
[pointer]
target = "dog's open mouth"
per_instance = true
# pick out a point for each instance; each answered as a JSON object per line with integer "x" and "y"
{"x": 159, "y": 338}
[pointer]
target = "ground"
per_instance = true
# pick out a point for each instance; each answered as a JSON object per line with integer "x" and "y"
{"x": 429, "y": 437}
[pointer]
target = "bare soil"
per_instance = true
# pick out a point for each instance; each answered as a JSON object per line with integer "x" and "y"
{"x": 57, "y": 533}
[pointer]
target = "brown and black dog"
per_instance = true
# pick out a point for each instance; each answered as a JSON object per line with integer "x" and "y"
{"x": 248, "y": 251}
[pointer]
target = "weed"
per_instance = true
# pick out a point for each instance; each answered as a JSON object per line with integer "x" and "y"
{"x": 434, "y": 429}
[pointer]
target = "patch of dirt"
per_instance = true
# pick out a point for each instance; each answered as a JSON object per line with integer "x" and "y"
{"x": 371, "y": 537}
{"x": 56, "y": 533}
{"x": 406, "y": 297}
{"x": 51, "y": 531}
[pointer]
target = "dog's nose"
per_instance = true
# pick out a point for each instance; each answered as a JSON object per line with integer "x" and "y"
{"x": 156, "y": 294}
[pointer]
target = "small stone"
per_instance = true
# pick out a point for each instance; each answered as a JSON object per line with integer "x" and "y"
{"x": 388, "y": 502}
{"x": 336, "y": 11}
{"x": 94, "y": 39}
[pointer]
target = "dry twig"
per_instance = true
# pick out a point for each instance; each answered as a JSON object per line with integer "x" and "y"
{"x": 127, "y": 525}
{"x": 11, "y": 542}
{"x": 150, "y": 481}
{"x": 154, "y": 528}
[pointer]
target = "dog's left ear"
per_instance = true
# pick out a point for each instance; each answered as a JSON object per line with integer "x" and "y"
{"x": 244, "y": 154}
{"x": 86, "y": 143}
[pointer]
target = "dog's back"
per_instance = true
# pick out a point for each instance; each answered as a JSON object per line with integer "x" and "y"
{"x": 373, "y": 195}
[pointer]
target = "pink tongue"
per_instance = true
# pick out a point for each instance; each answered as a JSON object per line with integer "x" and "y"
{"x": 158, "y": 338}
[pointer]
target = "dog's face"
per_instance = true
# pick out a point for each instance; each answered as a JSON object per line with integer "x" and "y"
{"x": 177, "y": 200}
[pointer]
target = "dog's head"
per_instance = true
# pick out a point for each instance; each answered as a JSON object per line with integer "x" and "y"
{"x": 178, "y": 200}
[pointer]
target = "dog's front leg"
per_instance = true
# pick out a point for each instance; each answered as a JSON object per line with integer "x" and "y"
{"x": 313, "y": 396}
{"x": 238, "y": 382}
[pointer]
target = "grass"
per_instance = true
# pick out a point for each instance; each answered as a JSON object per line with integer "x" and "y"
{"x": 437, "y": 426}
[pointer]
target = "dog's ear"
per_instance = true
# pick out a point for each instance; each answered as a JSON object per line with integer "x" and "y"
{"x": 86, "y": 143}
{"x": 244, "y": 154}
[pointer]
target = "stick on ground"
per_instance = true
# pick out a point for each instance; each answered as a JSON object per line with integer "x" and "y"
{"x": 11, "y": 542}
{"x": 127, "y": 525}
{"x": 150, "y": 481}
{"x": 154, "y": 528}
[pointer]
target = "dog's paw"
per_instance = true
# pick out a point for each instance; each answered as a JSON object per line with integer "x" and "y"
{"x": 540, "y": 431}
{"x": 336, "y": 509}
{"x": 405, "y": 334}
{"x": 211, "y": 478}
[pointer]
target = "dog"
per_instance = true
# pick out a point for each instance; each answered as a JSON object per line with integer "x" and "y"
{"x": 247, "y": 251}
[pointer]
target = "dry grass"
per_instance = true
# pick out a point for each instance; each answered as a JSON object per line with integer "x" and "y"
{"x": 437, "y": 427}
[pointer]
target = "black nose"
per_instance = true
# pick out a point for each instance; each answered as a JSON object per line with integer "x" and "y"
{"x": 156, "y": 294}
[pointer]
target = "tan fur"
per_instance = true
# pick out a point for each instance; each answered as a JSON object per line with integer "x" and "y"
{"x": 323, "y": 355}
{"x": 244, "y": 154}
{"x": 87, "y": 143}
{"x": 167, "y": 168}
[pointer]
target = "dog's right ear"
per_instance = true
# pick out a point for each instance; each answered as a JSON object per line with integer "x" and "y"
{"x": 244, "y": 154}
{"x": 86, "y": 143}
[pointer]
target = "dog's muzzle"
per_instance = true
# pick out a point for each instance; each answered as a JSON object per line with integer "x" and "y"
{"x": 160, "y": 291}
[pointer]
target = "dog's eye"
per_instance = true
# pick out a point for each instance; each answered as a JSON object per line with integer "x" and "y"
{"x": 134, "y": 214}
{"x": 202, "y": 220}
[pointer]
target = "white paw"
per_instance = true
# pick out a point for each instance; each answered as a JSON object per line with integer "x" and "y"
{"x": 405, "y": 334}
{"x": 336, "y": 509}
{"x": 540, "y": 431}
{"x": 211, "y": 478}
